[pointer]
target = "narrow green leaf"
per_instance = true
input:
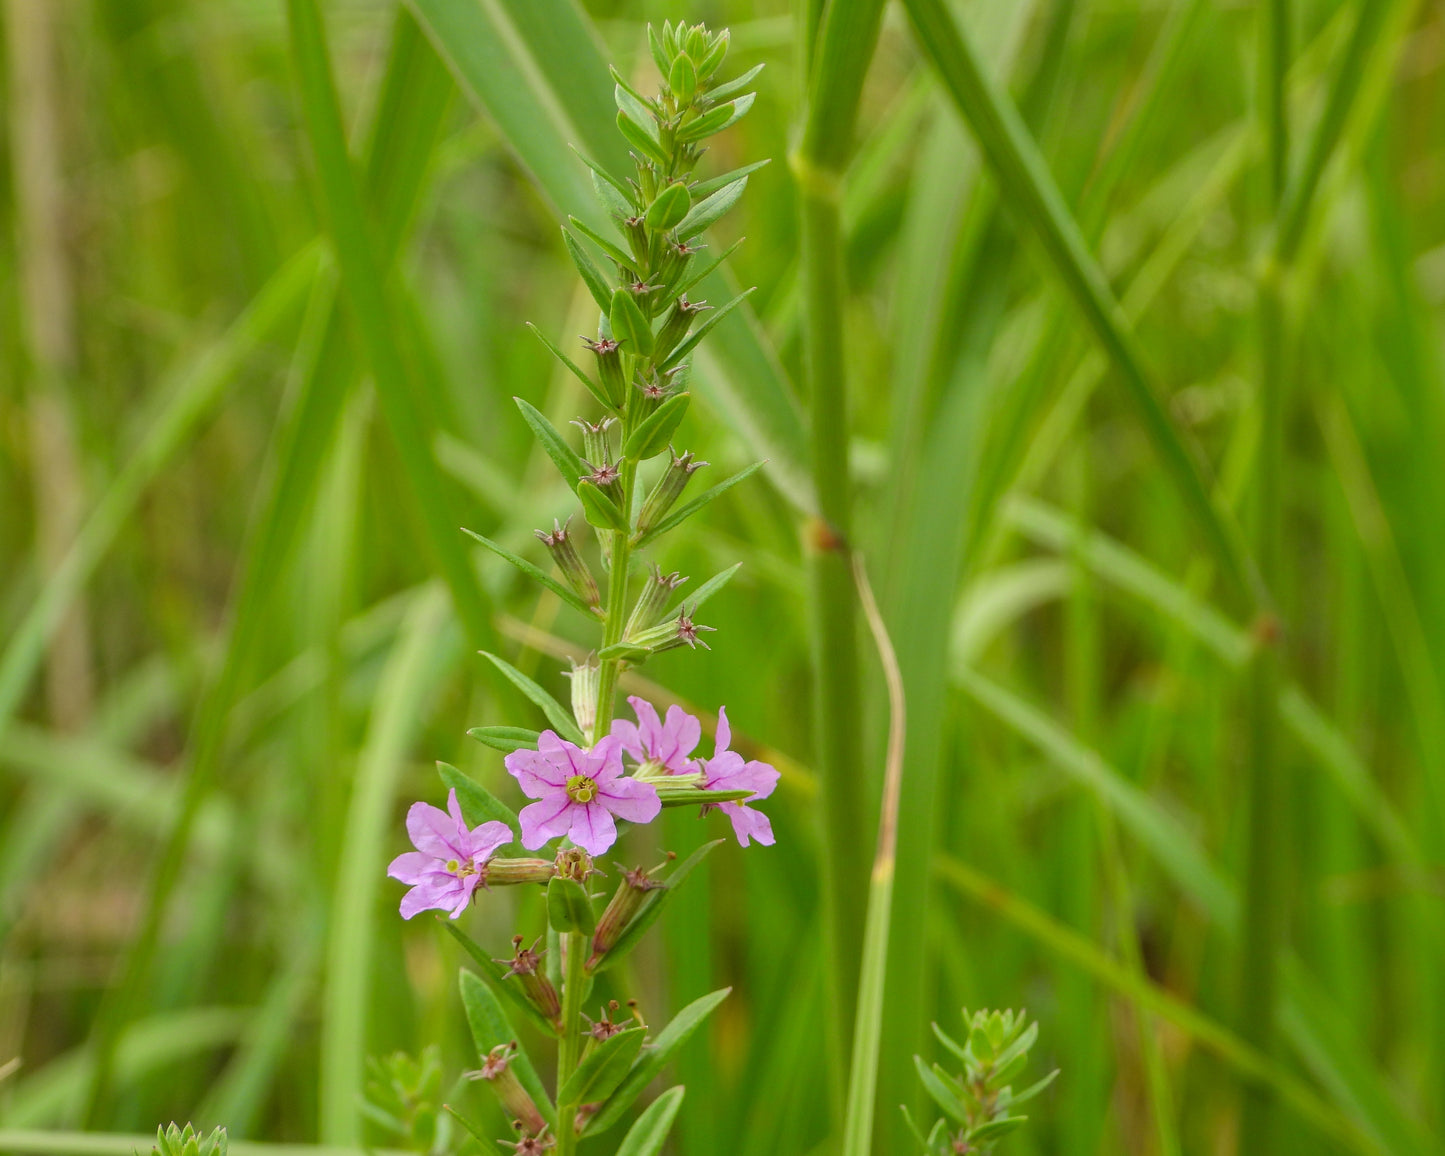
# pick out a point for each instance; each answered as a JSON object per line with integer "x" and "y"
{"x": 592, "y": 277}
{"x": 614, "y": 253}
{"x": 491, "y": 1028}
{"x": 504, "y": 739}
{"x": 688, "y": 509}
{"x": 566, "y": 593}
{"x": 706, "y": 590}
{"x": 601, "y": 511}
{"x": 688, "y": 344}
{"x": 637, "y": 108}
{"x": 616, "y": 205}
{"x": 655, "y": 1057}
{"x": 496, "y": 975}
{"x": 568, "y": 908}
{"x": 682, "y": 78}
{"x": 581, "y": 374}
{"x": 711, "y": 209}
{"x": 557, "y": 715}
{"x": 640, "y": 139}
{"x": 478, "y": 804}
{"x": 1034, "y": 1089}
{"x": 605, "y": 1067}
{"x": 938, "y": 1087}
{"x": 485, "y": 1142}
{"x": 649, "y": 1134}
{"x": 654, "y": 434}
{"x": 736, "y": 84}
{"x": 994, "y": 1129}
{"x": 716, "y": 119}
{"x": 700, "y": 190}
{"x": 670, "y": 207}
{"x": 652, "y": 907}
{"x": 568, "y": 464}
{"x": 629, "y": 324}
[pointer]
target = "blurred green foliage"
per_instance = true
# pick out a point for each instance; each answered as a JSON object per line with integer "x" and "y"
{"x": 250, "y": 641}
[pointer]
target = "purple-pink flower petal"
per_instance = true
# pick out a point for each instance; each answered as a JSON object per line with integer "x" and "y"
{"x": 631, "y": 799}
{"x": 449, "y": 859}
{"x": 548, "y": 818}
{"x": 592, "y": 827}
{"x": 668, "y": 744}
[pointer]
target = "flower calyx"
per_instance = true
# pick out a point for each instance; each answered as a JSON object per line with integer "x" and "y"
{"x": 497, "y": 1071}
{"x": 573, "y": 566}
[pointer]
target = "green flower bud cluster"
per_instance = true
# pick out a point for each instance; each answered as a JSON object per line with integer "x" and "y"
{"x": 978, "y": 1103}
{"x": 177, "y": 1141}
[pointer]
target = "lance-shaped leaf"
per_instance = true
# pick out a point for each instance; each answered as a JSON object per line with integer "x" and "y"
{"x": 703, "y": 189}
{"x": 940, "y": 1087}
{"x": 705, "y": 591}
{"x": 652, "y": 907}
{"x": 564, "y": 457}
{"x": 566, "y": 593}
{"x": 614, "y": 203}
{"x": 478, "y": 804}
{"x": 605, "y": 1067}
{"x": 614, "y": 253}
{"x": 505, "y": 739}
{"x": 496, "y": 975}
{"x": 669, "y": 208}
{"x": 736, "y": 84}
{"x": 601, "y": 511}
{"x": 688, "y": 344}
{"x": 642, "y": 140}
{"x": 687, "y": 510}
{"x": 652, "y": 437}
{"x": 568, "y": 908}
{"x": 592, "y": 387}
{"x": 560, "y": 718}
{"x": 491, "y": 1028}
{"x": 591, "y": 275}
{"x": 711, "y": 209}
{"x": 654, "y": 1057}
{"x": 649, "y": 1134}
{"x": 629, "y": 324}
{"x": 682, "y": 78}
{"x": 716, "y": 119}
{"x": 487, "y": 1144}
{"x": 634, "y": 104}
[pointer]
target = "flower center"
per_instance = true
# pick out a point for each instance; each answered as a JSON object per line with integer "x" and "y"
{"x": 581, "y": 789}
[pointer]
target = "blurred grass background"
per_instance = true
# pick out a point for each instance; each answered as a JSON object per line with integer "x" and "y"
{"x": 237, "y": 630}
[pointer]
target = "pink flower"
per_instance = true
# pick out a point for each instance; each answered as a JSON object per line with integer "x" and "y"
{"x": 578, "y": 793}
{"x": 449, "y": 860}
{"x": 658, "y": 746}
{"x": 726, "y": 771}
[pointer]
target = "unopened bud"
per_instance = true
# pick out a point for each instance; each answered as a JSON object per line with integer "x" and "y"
{"x": 607, "y": 477}
{"x": 679, "y": 631}
{"x": 574, "y": 569}
{"x": 525, "y": 964}
{"x": 510, "y": 871}
{"x": 653, "y": 602}
{"x": 636, "y": 230}
{"x": 668, "y": 489}
{"x": 596, "y": 438}
{"x": 609, "y": 369}
{"x": 675, "y": 327}
{"x": 496, "y": 1070}
{"x": 621, "y": 910}
{"x": 586, "y": 677}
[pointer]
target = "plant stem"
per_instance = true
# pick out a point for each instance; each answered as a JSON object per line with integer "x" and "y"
{"x": 621, "y": 557}
{"x": 569, "y": 1048}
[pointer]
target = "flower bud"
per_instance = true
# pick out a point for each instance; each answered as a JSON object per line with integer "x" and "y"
{"x": 586, "y": 678}
{"x": 653, "y": 602}
{"x": 609, "y": 369}
{"x": 636, "y": 230}
{"x": 607, "y": 478}
{"x": 621, "y": 910}
{"x": 538, "y": 989}
{"x": 668, "y": 489}
{"x": 679, "y": 631}
{"x": 596, "y": 439}
{"x": 496, "y": 1069}
{"x": 675, "y": 327}
{"x": 569, "y": 562}
{"x": 510, "y": 871}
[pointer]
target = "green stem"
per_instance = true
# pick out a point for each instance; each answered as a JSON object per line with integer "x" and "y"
{"x": 569, "y": 1049}
{"x": 621, "y": 558}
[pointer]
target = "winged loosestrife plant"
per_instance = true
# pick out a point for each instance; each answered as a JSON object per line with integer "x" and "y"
{"x": 978, "y": 1103}
{"x": 589, "y": 771}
